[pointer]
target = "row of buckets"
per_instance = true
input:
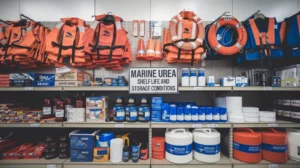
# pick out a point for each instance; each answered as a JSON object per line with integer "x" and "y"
{"x": 181, "y": 146}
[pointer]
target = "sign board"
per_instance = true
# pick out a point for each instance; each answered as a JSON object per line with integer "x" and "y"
{"x": 153, "y": 80}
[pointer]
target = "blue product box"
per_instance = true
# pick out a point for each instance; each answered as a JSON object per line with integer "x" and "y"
{"x": 83, "y": 139}
{"x": 156, "y": 107}
{"x": 156, "y": 116}
{"x": 81, "y": 155}
{"x": 21, "y": 79}
{"x": 44, "y": 80}
{"x": 156, "y": 100}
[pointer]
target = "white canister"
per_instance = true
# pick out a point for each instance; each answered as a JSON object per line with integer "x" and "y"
{"x": 179, "y": 146}
{"x": 185, "y": 77}
{"x": 193, "y": 77}
{"x": 116, "y": 150}
{"x": 207, "y": 145}
{"x": 294, "y": 144}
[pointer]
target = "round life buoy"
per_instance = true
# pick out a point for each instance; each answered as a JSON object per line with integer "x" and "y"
{"x": 187, "y": 44}
{"x": 219, "y": 48}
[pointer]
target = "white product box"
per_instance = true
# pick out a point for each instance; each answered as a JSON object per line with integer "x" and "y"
{"x": 210, "y": 81}
{"x": 227, "y": 81}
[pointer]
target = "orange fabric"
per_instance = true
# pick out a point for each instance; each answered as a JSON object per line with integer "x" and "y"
{"x": 141, "y": 50}
{"x": 282, "y": 31}
{"x": 157, "y": 50}
{"x": 270, "y": 35}
{"x": 241, "y": 41}
{"x": 298, "y": 21}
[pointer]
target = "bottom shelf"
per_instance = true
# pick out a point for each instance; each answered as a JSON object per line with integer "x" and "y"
{"x": 223, "y": 163}
{"x": 130, "y": 164}
{"x": 34, "y": 163}
{"x": 265, "y": 164}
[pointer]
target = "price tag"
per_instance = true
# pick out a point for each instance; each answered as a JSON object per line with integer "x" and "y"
{"x": 35, "y": 125}
{"x": 273, "y": 166}
{"x": 212, "y": 125}
{"x": 198, "y": 88}
{"x": 272, "y": 125}
{"x": 119, "y": 125}
{"x": 268, "y": 88}
{"x": 28, "y": 88}
{"x": 197, "y": 126}
{"x": 51, "y": 166}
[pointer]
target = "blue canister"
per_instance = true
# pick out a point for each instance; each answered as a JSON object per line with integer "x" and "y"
{"x": 208, "y": 114}
{"x": 195, "y": 110}
{"x": 119, "y": 109}
{"x": 103, "y": 139}
{"x": 223, "y": 114}
{"x": 185, "y": 78}
{"x": 193, "y": 77}
{"x": 180, "y": 114}
{"x": 166, "y": 112}
{"x": 173, "y": 113}
{"x": 215, "y": 114}
{"x": 188, "y": 113}
{"x": 201, "y": 72}
{"x": 201, "y": 114}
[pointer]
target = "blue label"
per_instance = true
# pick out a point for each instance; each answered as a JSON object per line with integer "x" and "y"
{"x": 119, "y": 113}
{"x": 135, "y": 149}
{"x": 246, "y": 148}
{"x": 178, "y": 150}
{"x": 132, "y": 113}
{"x": 102, "y": 152}
{"x": 274, "y": 148}
{"x": 185, "y": 74}
{"x": 193, "y": 74}
{"x": 207, "y": 149}
{"x": 126, "y": 154}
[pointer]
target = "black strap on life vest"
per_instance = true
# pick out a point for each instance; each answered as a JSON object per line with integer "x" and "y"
{"x": 108, "y": 19}
{"x": 6, "y": 46}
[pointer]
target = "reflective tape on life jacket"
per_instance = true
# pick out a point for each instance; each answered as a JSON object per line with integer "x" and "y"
{"x": 232, "y": 22}
{"x": 66, "y": 40}
{"x": 183, "y": 40}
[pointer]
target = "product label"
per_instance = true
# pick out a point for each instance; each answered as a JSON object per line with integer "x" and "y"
{"x": 274, "y": 148}
{"x": 295, "y": 115}
{"x": 179, "y": 150}
{"x": 173, "y": 117}
{"x": 95, "y": 113}
{"x": 67, "y": 107}
{"x": 188, "y": 117}
{"x": 195, "y": 117}
{"x": 132, "y": 113}
{"x": 201, "y": 117}
{"x": 102, "y": 152}
{"x": 207, "y": 149}
{"x": 246, "y": 148}
{"x": 180, "y": 117}
{"x": 280, "y": 112}
{"x": 59, "y": 113}
{"x": 145, "y": 112}
{"x": 125, "y": 155}
{"x": 287, "y": 113}
{"x": 216, "y": 117}
{"x": 46, "y": 110}
{"x": 223, "y": 117}
{"x": 208, "y": 117}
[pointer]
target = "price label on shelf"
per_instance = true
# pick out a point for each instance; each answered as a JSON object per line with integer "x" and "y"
{"x": 268, "y": 88}
{"x": 212, "y": 125}
{"x": 197, "y": 126}
{"x": 272, "y": 125}
{"x": 51, "y": 166}
{"x": 28, "y": 88}
{"x": 35, "y": 125}
{"x": 198, "y": 88}
{"x": 119, "y": 125}
{"x": 273, "y": 166}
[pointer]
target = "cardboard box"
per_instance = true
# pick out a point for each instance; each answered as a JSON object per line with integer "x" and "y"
{"x": 68, "y": 83}
{"x": 227, "y": 81}
{"x": 21, "y": 79}
{"x": 74, "y": 75}
{"x": 99, "y": 102}
{"x": 82, "y": 155}
{"x": 83, "y": 139}
{"x": 44, "y": 80}
{"x": 96, "y": 114}
{"x": 290, "y": 75}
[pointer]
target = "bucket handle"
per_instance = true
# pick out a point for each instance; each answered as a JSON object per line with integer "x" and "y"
{"x": 245, "y": 129}
{"x": 204, "y": 130}
{"x": 272, "y": 130}
{"x": 178, "y": 130}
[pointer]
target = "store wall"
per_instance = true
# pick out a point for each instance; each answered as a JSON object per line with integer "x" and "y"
{"x": 53, "y": 10}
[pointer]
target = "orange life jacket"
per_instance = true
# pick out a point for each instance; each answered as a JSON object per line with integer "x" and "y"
{"x": 107, "y": 42}
{"x": 66, "y": 40}
{"x": 3, "y": 41}
{"x": 186, "y": 34}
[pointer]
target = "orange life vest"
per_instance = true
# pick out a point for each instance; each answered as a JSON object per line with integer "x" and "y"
{"x": 186, "y": 34}
{"x": 66, "y": 40}
{"x": 107, "y": 42}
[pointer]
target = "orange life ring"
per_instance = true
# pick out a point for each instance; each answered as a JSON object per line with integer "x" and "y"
{"x": 187, "y": 44}
{"x": 232, "y": 22}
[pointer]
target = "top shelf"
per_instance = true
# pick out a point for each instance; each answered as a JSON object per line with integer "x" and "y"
{"x": 125, "y": 88}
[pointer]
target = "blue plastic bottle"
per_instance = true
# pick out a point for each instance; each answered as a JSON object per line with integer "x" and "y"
{"x": 201, "y": 114}
{"x": 195, "y": 113}
{"x": 215, "y": 114}
{"x": 208, "y": 114}
{"x": 188, "y": 113}
{"x": 223, "y": 114}
{"x": 180, "y": 114}
{"x": 173, "y": 113}
{"x": 165, "y": 112}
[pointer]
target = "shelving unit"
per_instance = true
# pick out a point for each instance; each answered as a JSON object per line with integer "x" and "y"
{"x": 39, "y": 163}
{"x": 265, "y": 164}
{"x": 28, "y": 125}
{"x": 106, "y": 125}
{"x": 189, "y": 125}
{"x": 279, "y": 123}
{"x": 223, "y": 163}
{"x": 130, "y": 164}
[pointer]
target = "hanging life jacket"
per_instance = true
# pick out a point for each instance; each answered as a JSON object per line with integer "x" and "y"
{"x": 263, "y": 40}
{"x": 3, "y": 41}
{"x": 19, "y": 41}
{"x": 107, "y": 43}
{"x": 66, "y": 40}
{"x": 290, "y": 35}
{"x": 218, "y": 35}
{"x": 186, "y": 33}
